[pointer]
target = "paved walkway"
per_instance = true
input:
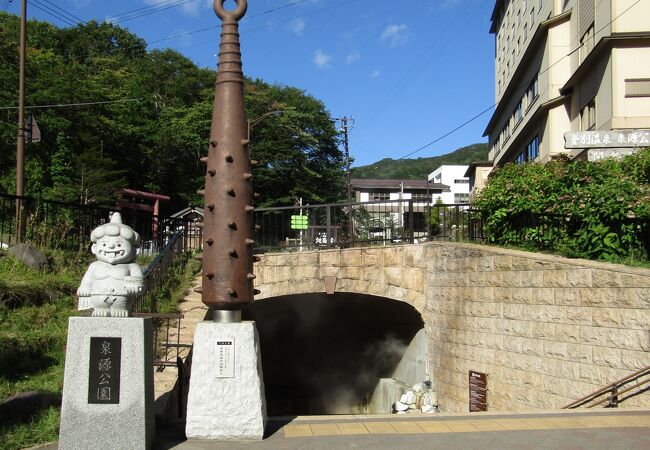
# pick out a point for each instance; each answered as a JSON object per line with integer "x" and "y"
{"x": 193, "y": 311}
{"x": 602, "y": 429}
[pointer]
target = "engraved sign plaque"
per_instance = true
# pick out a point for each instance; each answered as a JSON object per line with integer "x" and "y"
{"x": 607, "y": 139}
{"x": 225, "y": 358}
{"x": 104, "y": 370}
{"x": 477, "y": 391}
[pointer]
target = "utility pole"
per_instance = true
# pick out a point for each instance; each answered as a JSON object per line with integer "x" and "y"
{"x": 20, "y": 139}
{"x": 344, "y": 127}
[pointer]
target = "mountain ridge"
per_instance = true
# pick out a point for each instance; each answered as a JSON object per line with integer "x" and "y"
{"x": 419, "y": 168}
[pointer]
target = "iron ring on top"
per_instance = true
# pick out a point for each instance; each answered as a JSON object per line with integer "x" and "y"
{"x": 235, "y": 14}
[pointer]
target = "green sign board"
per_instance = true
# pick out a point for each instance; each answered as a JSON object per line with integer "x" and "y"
{"x": 299, "y": 222}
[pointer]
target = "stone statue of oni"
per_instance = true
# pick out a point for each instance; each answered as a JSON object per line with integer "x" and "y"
{"x": 112, "y": 282}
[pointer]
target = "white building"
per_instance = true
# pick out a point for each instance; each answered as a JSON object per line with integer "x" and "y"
{"x": 454, "y": 177}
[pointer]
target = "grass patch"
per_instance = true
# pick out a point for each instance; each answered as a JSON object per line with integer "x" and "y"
{"x": 43, "y": 428}
{"x": 34, "y": 311}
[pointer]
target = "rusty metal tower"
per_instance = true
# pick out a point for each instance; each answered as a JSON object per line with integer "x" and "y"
{"x": 227, "y": 278}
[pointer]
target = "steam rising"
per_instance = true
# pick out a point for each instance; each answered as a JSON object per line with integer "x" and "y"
{"x": 325, "y": 354}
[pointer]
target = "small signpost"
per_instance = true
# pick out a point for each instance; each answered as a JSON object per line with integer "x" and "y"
{"x": 477, "y": 391}
{"x": 299, "y": 222}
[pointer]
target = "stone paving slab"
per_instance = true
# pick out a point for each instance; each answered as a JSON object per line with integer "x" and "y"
{"x": 576, "y": 429}
{"x": 193, "y": 311}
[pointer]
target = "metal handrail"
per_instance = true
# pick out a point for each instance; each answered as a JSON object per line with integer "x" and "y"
{"x": 613, "y": 392}
{"x": 166, "y": 249}
{"x": 156, "y": 268}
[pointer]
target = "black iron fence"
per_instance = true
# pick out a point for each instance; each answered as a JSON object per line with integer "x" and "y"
{"x": 369, "y": 223}
{"x": 154, "y": 273}
{"x": 166, "y": 339}
{"x": 64, "y": 225}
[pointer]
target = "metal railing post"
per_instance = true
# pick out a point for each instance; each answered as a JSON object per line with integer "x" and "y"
{"x": 411, "y": 224}
{"x": 328, "y": 224}
{"x": 613, "y": 399}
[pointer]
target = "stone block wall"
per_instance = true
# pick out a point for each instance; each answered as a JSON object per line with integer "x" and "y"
{"x": 547, "y": 330}
{"x": 396, "y": 272}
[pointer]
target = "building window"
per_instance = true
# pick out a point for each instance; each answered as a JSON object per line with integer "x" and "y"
{"x": 461, "y": 198}
{"x": 587, "y": 42}
{"x": 420, "y": 196}
{"x": 532, "y": 149}
{"x": 588, "y": 116}
{"x": 375, "y": 196}
{"x": 461, "y": 181}
{"x": 525, "y": 32}
{"x": 532, "y": 16}
{"x": 521, "y": 158}
{"x": 531, "y": 92}
{"x": 518, "y": 114}
{"x": 637, "y": 87}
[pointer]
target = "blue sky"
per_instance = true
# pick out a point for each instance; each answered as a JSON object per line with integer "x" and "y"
{"x": 408, "y": 72}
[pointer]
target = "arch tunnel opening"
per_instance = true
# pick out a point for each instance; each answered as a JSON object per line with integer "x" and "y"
{"x": 326, "y": 354}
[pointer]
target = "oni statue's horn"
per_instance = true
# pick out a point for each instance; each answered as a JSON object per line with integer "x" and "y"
{"x": 228, "y": 193}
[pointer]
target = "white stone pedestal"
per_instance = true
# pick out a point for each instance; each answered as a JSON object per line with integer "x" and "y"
{"x": 128, "y": 424}
{"x": 226, "y": 397}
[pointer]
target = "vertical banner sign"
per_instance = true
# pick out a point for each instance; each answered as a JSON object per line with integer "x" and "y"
{"x": 225, "y": 358}
{"x": 477, "y": 391}
{"x": 104, "y": 370}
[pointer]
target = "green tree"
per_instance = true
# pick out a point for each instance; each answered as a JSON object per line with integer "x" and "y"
{"x": 151, "y": 121}
{"x": 297, "y": 151}
{"x": 596, "y": 210}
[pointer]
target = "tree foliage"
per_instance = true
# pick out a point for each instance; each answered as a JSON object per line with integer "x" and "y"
{"x": 155, "y": 124}
{"x": 595, "y": 210}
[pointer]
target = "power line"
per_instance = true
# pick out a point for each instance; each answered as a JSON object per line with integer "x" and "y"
{"x": 269, "y": 11}
{"x": 520, "y": 87}
{"x": 449, "y": 132}
{"x": 47, "y": 10}
{"x": 66, "y": 105}
{"x": 146, "y": 11}
{"x": 64, "y": 11}
{"x": 386, "y": 99}
{"x": 157, "y": 5}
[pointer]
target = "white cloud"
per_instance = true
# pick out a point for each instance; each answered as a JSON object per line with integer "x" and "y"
{"x": 353, "y": 57}
{"x": 321, "y": 59}
{"x": 395, "y": 35}
{"x": 298, "y": 26}
{"x": 375, "y": 73}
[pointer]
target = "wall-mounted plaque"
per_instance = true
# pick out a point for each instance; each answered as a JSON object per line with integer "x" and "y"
{"x": 477, "y": 391}
{"x": 225, "y": 358}
{"x": 607, "y": 139}
{"x": 104, "y": 370}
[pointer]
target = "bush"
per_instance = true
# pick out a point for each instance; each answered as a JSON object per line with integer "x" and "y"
{"x": 595, "y": 210}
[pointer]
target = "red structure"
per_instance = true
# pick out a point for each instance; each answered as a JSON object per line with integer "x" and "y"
{"x": 143, "y": 201}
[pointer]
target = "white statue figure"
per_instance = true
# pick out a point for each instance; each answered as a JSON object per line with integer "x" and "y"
{"x": 111, "y": 283}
